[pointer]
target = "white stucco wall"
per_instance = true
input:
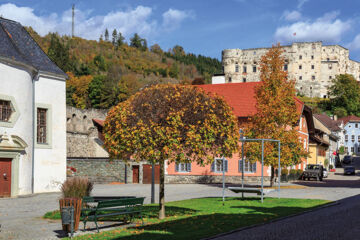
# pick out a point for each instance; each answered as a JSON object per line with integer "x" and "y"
{"x": 218, "y": 79}
{"x": 50, "y": 162}
{"x": 17, "y": 83}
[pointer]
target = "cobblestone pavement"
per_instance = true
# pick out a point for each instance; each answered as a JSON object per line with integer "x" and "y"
{"x": 20, "y": 218}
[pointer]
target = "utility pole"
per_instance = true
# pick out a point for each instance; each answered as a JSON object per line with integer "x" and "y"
{"x": 73, "y": 20}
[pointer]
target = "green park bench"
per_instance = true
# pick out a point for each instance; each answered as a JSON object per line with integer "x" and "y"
{"x": 129, "y": 207}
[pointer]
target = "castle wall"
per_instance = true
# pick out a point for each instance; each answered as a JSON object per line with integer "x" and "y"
{"x": 82, "y": 135}
{"x": 311, "y": 64}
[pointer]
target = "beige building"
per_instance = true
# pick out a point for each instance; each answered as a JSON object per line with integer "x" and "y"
{"x": 312, "y": 64}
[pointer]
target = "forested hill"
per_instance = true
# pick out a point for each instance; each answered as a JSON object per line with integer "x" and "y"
{"x": 105, "y": 72}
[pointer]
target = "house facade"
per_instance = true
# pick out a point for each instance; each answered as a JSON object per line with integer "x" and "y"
{"x": 32, "y": 116}
{"x": 241, "y": 97}
{"x": 351, "y": 134}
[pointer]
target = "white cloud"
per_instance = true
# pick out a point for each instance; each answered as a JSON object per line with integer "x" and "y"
{"x": 87, "y": 25}
{"x": 26, "y": 16}
{"x": 173, "y": 18}
{"x": 291, "y": 15}
{"x": 355, "y": 44}
{"x": 326, "y": 28}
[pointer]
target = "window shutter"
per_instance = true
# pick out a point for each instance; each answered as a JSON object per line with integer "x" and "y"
{"x": 240, "y": 165}
{"x": 188, "y": 167}
{"x": 213, "y": 166}
{"x": 254, "y": 167}
{"x": 226, "y": 165}
{"x": 176, "y": 167}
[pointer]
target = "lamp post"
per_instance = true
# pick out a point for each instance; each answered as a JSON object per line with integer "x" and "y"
{"x": 242, "y": 160}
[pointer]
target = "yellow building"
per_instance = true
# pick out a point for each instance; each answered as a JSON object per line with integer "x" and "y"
{"x": 317, "y": 148}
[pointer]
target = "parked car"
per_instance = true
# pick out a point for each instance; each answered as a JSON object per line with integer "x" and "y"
{"x": 313, "y": 171}
{"x": 347, "y": 159}
{"x": 349, "y": 170}
{"x": 325, "y": 173}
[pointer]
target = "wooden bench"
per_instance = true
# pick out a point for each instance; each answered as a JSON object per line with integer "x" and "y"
{"x": 250, "y": 190}
{"x": 108, "y": 208}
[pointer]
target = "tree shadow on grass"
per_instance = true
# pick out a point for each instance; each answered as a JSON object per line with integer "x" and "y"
{"x": 201, "y": 226}
{"x": 153, "y": 211}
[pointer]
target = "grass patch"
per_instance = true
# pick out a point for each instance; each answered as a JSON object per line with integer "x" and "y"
{"x": 55, "y": 215}
{"x": 205, "y": 217}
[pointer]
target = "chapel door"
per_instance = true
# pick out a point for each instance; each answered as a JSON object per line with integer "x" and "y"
{"x": 5, "y": 177}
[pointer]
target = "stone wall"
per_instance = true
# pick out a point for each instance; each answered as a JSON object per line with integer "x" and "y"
{"x": 104, "y": 170}
{"x": 213, "y": 179}
{"x": 99, "y": 170}
{"x": 311, "y": 64}
{"x": 82, "y": 135}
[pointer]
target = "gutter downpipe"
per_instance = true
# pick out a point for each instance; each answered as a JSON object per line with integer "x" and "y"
{"x": 35, "y": 78}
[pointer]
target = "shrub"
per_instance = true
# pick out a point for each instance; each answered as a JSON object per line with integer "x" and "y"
{"x": 331, "y": 166}
{"x": 284, "y": 172}
{"x": 76, "y": 187}
{"x": 342, "y": 150}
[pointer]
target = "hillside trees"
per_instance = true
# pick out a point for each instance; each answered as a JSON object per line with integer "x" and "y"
{"x": 177, "y": 123}
{"x": 138, "y": 42}
{"x": 344, "y": 96}
{"x": 83, "y": 57}
{"x": 276, "y": 115}
{"x": 58, "y": 52}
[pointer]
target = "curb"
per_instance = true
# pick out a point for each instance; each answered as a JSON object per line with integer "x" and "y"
{"x": 273, "y": 220}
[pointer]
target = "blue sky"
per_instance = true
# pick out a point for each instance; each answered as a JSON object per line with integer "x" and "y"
{"x": 201, "y": 26}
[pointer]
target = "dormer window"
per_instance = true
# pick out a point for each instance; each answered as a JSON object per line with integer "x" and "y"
{"x": 5, "y": 110}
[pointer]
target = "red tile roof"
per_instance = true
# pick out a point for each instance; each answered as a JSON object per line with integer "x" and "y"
{"x": 328, "y": 122}
{"x": 241, "y": 97}
{"x": 351, "y": 118}
{"x": 98, "y": 122}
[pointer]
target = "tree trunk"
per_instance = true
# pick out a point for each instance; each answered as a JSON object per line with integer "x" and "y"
{"x": 272, "y": 178}
{"x": 162, "y": 191}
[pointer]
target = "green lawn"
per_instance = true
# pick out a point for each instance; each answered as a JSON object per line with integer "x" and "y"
{"x": 206, "y": 217}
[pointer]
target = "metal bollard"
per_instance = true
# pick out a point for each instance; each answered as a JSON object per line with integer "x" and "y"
{"x": 67, "y": 218}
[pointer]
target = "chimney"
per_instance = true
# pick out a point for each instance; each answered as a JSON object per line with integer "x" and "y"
{"x": 335, "y": 118}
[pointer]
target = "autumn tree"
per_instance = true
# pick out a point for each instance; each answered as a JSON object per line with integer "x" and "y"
{"x": 177, "y": 123}
{"x": 79, "y": 89}
{"x": 276, "y": 115}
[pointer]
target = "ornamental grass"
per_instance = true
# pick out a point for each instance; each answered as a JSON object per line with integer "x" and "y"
{"x": 76, "y": 187}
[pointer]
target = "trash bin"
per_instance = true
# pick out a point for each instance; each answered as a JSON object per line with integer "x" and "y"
{"x": 67, "y": 219}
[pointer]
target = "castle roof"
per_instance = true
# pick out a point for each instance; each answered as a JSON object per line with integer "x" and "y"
{"x": 18, "y": 46}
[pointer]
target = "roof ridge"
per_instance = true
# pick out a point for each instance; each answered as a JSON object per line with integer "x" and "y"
{"x": 9, "y": 20}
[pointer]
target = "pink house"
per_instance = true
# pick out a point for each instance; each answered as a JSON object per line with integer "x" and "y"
{"x": 241, "y": 97}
